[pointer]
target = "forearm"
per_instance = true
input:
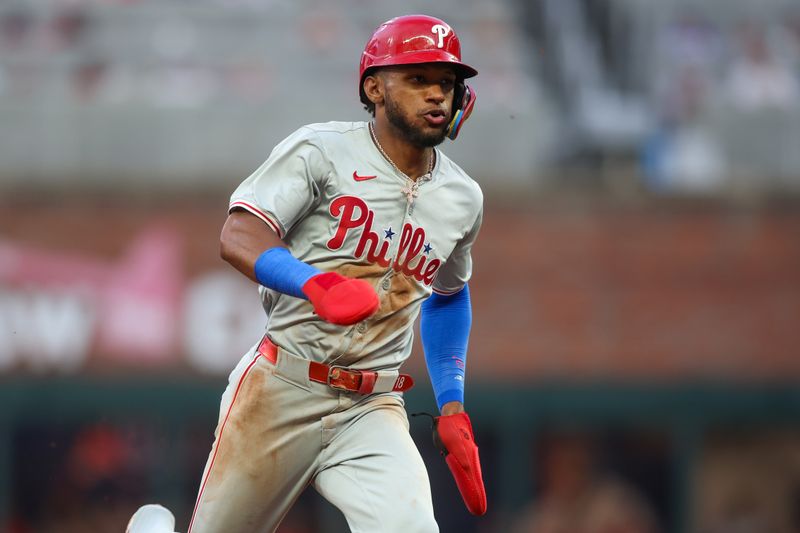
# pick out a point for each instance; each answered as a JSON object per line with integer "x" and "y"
{"x": 243, "y": 239}
{"x": 257, "y": 252}
{"x": 444, "y": 328}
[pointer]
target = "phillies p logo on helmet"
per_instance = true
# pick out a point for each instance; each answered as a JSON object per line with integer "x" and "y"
{"x": 442, "y": 30}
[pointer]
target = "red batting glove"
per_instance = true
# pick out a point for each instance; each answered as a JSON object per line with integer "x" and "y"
{"x": 452, "y": 434}
{"x": 341, "y": 300}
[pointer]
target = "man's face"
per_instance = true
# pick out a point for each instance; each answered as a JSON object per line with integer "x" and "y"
{"x": 418, "y": 101}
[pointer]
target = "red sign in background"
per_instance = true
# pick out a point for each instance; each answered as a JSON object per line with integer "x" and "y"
{"x": 654, "y": 292}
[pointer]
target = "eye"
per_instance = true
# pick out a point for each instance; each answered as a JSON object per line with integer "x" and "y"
{"x": 448, "y": 84}
{"x": 419, "y": 78}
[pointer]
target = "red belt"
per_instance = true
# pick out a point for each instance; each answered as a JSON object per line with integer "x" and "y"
{"x": 341, "y": 378}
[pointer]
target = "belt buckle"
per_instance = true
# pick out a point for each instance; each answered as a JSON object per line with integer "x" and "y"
{"x": 335, "y": 373}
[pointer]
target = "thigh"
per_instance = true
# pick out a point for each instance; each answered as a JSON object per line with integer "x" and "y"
{"x": 262, "y": 457}
{"x": 374, "y": 474}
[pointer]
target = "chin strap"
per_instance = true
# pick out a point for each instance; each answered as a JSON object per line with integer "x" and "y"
{"x": 466, "y": 101}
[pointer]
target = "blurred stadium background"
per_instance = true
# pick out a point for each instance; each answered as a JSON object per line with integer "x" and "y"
{"x": 634, "y": 363}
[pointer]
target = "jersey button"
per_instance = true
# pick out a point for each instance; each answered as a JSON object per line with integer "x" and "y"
{"x": 361, "y": 328}
{"x": 386, "y": 284}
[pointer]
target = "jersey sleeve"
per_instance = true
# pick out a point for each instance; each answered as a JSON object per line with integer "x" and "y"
{"x": 287, "y": 185}
{"x": 456, "y": 271}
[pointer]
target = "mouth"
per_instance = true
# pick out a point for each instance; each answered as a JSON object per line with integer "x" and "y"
{"x": 435, "y": 117}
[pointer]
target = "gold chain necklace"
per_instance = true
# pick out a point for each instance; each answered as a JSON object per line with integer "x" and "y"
{"x": 411, "y": 190}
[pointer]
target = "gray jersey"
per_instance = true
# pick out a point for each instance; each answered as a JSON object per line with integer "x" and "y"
{"x": 340, "y": 205}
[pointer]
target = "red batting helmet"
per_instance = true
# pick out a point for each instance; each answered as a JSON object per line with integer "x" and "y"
{"x": 409, "y": 40}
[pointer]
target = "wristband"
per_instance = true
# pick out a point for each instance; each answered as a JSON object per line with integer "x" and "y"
{"x": 277, "y": 269}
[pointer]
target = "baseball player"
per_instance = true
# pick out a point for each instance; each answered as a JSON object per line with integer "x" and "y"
{"x": 352, "y": 229}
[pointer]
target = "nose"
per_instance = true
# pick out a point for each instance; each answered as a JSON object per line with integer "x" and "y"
{"x": 435, "y": 93}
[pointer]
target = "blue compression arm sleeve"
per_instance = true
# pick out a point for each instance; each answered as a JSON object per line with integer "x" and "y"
{"x": 444, "y": 329}
{"x": 277, "y": 269}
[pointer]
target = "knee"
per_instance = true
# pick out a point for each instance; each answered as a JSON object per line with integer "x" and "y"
{"x": 423, "y": 524}
{"x": 416, "y": 520}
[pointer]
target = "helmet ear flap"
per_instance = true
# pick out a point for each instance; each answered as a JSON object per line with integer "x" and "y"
{"x": 464, "y": 98}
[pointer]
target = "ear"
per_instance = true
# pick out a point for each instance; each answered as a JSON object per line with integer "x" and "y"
{"x": 374, "y": 88}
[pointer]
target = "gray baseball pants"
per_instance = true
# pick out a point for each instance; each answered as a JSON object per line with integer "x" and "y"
{"x": 278, "y": 432}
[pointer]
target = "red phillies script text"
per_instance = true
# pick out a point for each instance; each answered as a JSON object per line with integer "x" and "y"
{"x": 353, "y": 214}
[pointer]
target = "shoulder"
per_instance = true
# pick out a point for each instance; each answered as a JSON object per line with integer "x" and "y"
{"x": 337, "y": 141}
{"x": 456, "y": 179}
{"x": 323, "y": 138}
{"x": 332, "y": 133}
